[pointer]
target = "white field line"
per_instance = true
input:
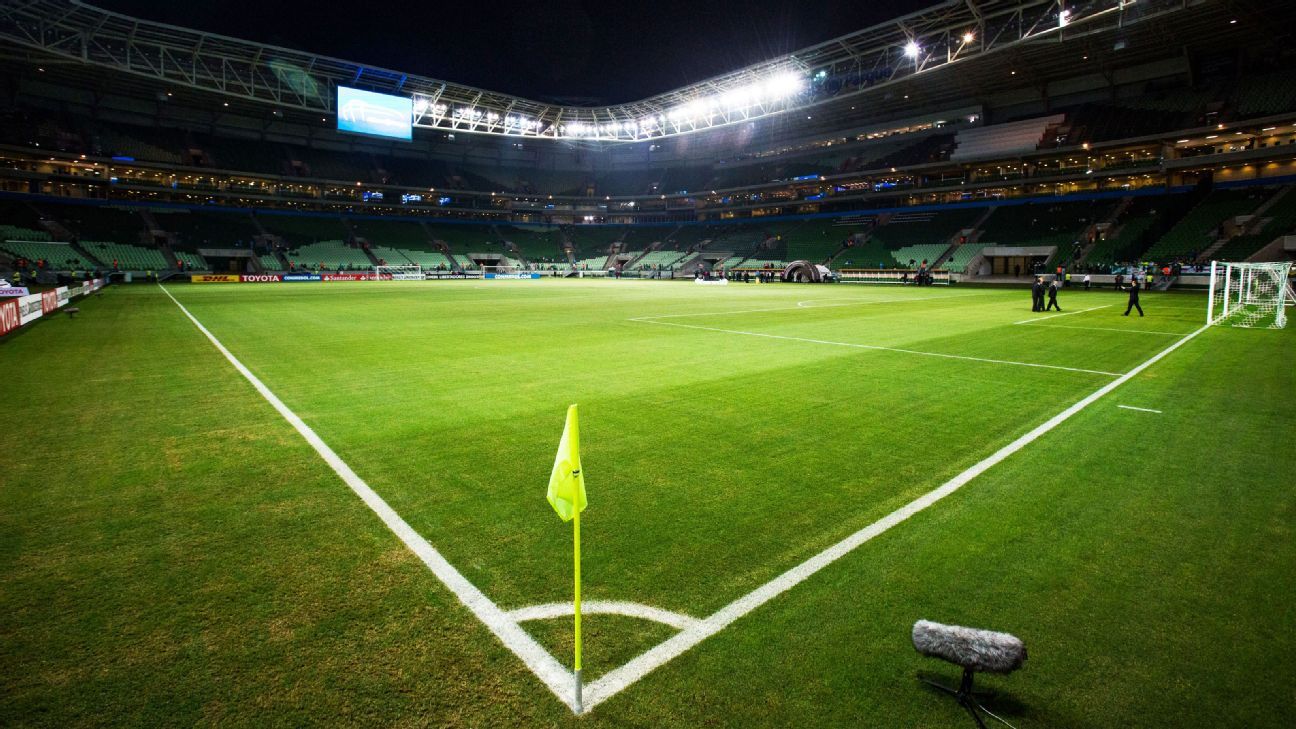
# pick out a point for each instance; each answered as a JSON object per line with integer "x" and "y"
{"x": 552, "y": 610}
{"x": 793, "y": 308}
{"x": 542, "y": 664}
{"x": 1065, "y": 313}
{"x": 1141, "y": 410}
{"x": 810, "y": 303}
{"x": 1104, "y": 329}
{"x": 878, "y": 348}
{"x": 618, "y": 679}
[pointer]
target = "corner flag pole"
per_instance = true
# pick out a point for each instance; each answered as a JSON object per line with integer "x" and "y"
{"x": 567, "y": 496}
{"x": 576, "y": 560}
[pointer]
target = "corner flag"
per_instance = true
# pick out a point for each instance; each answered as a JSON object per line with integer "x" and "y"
{"x": 566, "y": 483}
{"x": 567, "y": 497}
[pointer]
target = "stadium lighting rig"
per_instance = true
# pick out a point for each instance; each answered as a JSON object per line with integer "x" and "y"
{"x": 854, "y": 64}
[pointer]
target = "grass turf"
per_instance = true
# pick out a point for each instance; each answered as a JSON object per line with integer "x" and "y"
{"x": 177, "y": 554}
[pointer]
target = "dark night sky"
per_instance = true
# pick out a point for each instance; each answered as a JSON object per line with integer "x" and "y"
{"x": 578, "y": 49}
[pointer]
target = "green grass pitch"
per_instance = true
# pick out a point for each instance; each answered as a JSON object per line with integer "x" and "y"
{"x": 175, "y": 553}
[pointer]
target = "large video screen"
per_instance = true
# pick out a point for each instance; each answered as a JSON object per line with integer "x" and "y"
{"x": 379, "y": 115}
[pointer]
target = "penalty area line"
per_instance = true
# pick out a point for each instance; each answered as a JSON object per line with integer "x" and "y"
{"x": 551, "y": 673}
{"x": 618, "y": 679}
{"x": 1105, "y": 329}
{"x": 875, "y": 347}
{"x": 1065, "y": 313}
{"x": 1141, "y": 410}
{"x": 652, "y": 317}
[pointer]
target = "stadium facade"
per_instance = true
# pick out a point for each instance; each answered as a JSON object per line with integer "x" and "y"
{"x": 1125, "y": 128}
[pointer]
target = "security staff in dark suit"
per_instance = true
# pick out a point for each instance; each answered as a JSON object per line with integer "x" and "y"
{"x": 1037, "y": 294}
{"x": 1052, "y": 295}
{"x": 1133, "y": 299}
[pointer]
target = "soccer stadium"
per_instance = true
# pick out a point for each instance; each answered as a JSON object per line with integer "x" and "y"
{"x": 905, "y": 364}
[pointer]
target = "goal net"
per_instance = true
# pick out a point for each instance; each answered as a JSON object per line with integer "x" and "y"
{"x": 399, "y": 273}
{"x": 1254, "y": 295}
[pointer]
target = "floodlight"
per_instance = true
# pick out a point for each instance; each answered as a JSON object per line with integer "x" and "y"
{"x": 968, "y": 37}
{"x": 912, "y": 49}
{"x": 736, "y": 99}
{"x": 783, "y": 85}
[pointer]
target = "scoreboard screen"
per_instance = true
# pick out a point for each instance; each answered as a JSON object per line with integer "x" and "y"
{"x": 378, "y": 115}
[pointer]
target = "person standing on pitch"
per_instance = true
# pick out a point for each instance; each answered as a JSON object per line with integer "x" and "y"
{"x": 1037, "y": 294}
{"x": 1133, "y": 299}
{"x": 1086, "y": 282}
{"x": 1052, "y": 295}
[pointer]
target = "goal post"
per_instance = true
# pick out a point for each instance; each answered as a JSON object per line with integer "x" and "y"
{"x": 1251, "y": 295}
{"x": 412, "y": 272}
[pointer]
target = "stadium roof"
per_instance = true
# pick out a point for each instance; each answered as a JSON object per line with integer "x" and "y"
{"x": 879, "y": 63}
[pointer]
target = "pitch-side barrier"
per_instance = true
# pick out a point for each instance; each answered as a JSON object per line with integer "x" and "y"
{"x": 21, "y": 308}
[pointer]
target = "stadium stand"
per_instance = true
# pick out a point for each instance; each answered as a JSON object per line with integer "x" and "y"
{"x": 1279, "y": 220}
{"x": 394, "y": 233}
{"x": 939, "y": 226}
{"x": 467, "y": 238}
{"x": 918, "y": 253}
{"x": 128, "y": 257}
{"x": 1102, "y": 122}
{"x": 1043, "y": 224}
{"x": 17, "y": 233}
{"x": 536, "y": 244}
{"x": 1003, "y": 140}
{"x": 332, "y": 255}
{"x": 865, "y": 252}
{"x": 1265, "y": 94}
{"x": 247, "y": 155}
{"x": 592, "y": 240}
{"x": 99, "y": 222}
{"x": 192, "y": 261}
{"x": 300, "y": 230}
{"x": 1122, "y": 241}
{"x": 962, "y": 256}
{"x": 935, "y": 148}
{"x": 759, "y": 263}
{"x": 741, "y": 239}
{"x": 155, "y": 145}
{"x": 640, "y": 239}
{"x": 398, "y": 242}
{"x": 208, "y": 230}
{"x": 58, "y": 256}
{"x": 687, "y": 237}
{"x": 14, "y": 214}
{"x": 1194, "y": 232}
{"x": 662, "y": 259}
{"x": 270, "y": 262}
{"x": 331, "y": 165}
{"x": 594, "y": 264}
{"x": 815, "y": 240}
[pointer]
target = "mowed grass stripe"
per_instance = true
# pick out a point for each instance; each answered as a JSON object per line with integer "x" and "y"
{"x": 175, "y": 554}
{"x": 694, "y": 449}
{"x": 1151, "y": 583}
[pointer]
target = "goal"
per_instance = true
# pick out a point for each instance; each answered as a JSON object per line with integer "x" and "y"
{"x": 399, "y": 273}
{"x": 1254, "y": 295}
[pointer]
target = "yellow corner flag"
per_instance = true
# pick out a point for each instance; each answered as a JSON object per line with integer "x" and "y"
{"x": 566, "y": 483}
{"x": 567, "y": 497}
